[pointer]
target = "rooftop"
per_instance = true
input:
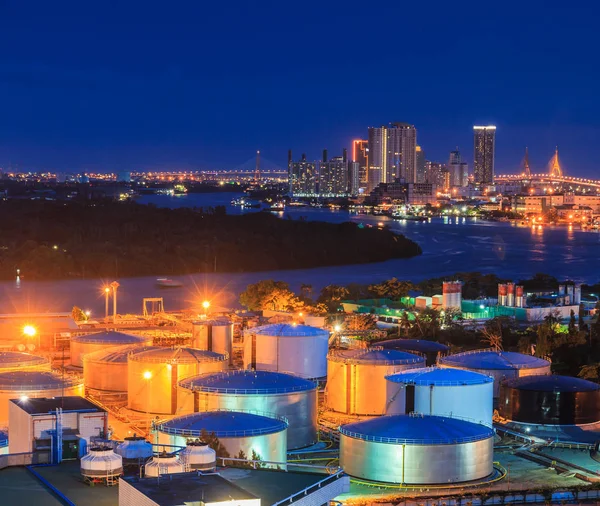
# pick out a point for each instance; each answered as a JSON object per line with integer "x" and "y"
{"x": 110, "y": 336}
{"x": 420, "y": 345}
{"x": 177, "y": 355}
{"x": 552, "y": 383}
{"x": 439, "y": 376}
{"x": 288, "y": 330}
{"x": 247, "y": 382}
{"x": 44, "y": 405}
{"x": 494, "y": 360}
{"x": 117, "y": 354}
{"x": 18, "y": 359}
{"x": 378, "y": 356}
{"x": 36, "y": 380}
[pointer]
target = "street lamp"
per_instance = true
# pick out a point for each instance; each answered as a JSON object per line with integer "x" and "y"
{"x": 106, "y": 296}
{"x": 206, "y": 305}
{"x": 29, "y": 331}
{"x": 114, "y": 285}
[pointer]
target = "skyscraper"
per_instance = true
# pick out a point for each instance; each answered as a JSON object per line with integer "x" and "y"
{"x": 421, "y": 177}
{"x": 360, "y": 156}
{"x": 484, "y": 141}
{"x": 458, "y": 170}
{"x": 333, "y": 175}
{"x": 302, "y": 176}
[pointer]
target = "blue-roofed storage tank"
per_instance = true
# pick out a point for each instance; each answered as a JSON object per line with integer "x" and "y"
{"x": 263, "y": 434}
{"x": 443, "y": 392}
{"x": 88, "y": 343}
{"x": 3, "y": 442}
{"x": 285, "y": 395}
{"x": 417, "y": 450}
{"x": 550, "y": 400}
{"x": 297, "y": 349}
{"x": 501, "y": 365}
{"x": 432, "y": 350}
{"x": 356, "y": 382}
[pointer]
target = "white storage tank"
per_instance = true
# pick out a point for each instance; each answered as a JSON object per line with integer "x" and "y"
{"x": 164, "y": 463}
{"x": 101, "y": 463}
{"x": 417, "y": 450}
{"x": 134, "y": 450}
{"x": 198, "y": 456}
{"x": 88, "y": 343}
{"x": 356, "y": 381}
{"x": 297, "y": 349}
{"x": 213, "y": 335}
{"x": 500, "y": 365}
{"x": 153, "y": 376}
{"x": 263, "y": 434}
{"x": 34, "y": 384}
{"x": 454, "y": 393}
{"x": 18, "y": 361}
{"x": 286, "y": 395}
{"x": 106, "y": 370}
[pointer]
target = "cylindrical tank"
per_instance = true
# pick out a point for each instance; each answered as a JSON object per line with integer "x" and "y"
{"x": 519, "y": 300}
{"x": 285, "y": 395}
{"x": 454, "y": 393}
{"x": 88, "y": 343}
{"x": 417, "y": 450}
{"x": 213, "y": 335}
{"x": 432, "y": 350}
{"x": 297, "y": 349}
{"x": 451, "y": 294}
{"x": 550, "y": 400}
{"x": 198, "y": 456}
{"x": 134, "y": 449}
{"x": 164, "y": 463}
{"x": 153, "y": 376}
{"x": 577, "y": 295}
{"x": 500, "y": 365}
{"x": 510, "y": 294}
{"x": 3, "y": 442}
{"x": 356, "y": 378}
{"x": 561, "y": 289}
{"x": 502, "y": 291}
{"x": 262, "y": 435}
{"x": 18, "y": 361}
{"x": 101, "y": 462}
{"x": 34, "y": 384}
{"x": 106, "y": 370}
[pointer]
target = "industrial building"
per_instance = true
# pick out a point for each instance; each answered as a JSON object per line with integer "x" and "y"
{"x": 263, "y": 435}
{"x": 356, "y": 381}
{"x": 297, "y": 349}
{"x": 550, "y": 400}
{"x": 58, "y": 426}
{"x": 292, "y": 397}
{"x": 416, "y": 450}
{"x": 453, "y": 393}
{"x": 432, "y": 350}
{"x": 153, "y": 376}
{"x": 500, "y": 365}
{"x": 89, "y": 343}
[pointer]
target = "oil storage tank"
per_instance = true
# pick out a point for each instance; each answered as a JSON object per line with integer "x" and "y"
{"x": 550, "y": 400}
{"x": 286, "y": 395}
{"x": 431, "y": 350}
{"x": 297, "y": 349}
{"x": 213, "y": 335}
{"x": 153, "y": 376}
{"x": 88, "y": 343}
{"x": 264, "y": 435}
{"x": 106, "y": 370}
{"x": 33, "y": 384}
{"x": 356, "y": 381}
{"x": 18, "y": 361}
{"x": 437, "y": 391}
{"x": 416, "y": 450}
{"x": 501, "y": 365}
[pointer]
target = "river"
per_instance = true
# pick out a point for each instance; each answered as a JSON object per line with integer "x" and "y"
{"x": 449, "y": 245}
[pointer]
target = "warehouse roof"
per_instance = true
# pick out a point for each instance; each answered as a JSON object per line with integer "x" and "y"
{"x": 417, "y": 430}
{"x": 289, "y": 330}
{"x": 420, "y": 345}
{"x": 247, "y": 382}
{"x": 110, "y": 336}
{"x": 377, "y": 356}
{"x": 494, "y": 360}
{"x": 552, "y": 383}
{"x": 223, "y": 424}
{"x": 439, "y": 376}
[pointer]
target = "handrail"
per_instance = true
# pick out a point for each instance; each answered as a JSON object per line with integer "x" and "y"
{"x": 307, "y": 490}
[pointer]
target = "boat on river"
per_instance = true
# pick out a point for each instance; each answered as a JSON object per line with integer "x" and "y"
{"x": 168, "y": 283}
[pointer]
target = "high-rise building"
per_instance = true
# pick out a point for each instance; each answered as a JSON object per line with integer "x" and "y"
{"x": 458, "y": 170}
{"x": 360, "y": 155}
{"x": 333, "y": 175}
{"x": 302, "y": 176}
{"x": 484, "y": 140}
{"x": 436, "y": 174}
{"x": 420, "y": 164}
{"x": 392, "y": 154}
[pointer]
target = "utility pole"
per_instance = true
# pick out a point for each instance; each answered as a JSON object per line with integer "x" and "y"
{"x": 114, "y": 286}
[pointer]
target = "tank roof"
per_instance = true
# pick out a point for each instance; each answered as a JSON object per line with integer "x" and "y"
{"x": 376, "y": 356}
{"x": 417, "y": 430}
{"x": 247, "y": 382}
{"x": 494, "y": 360}
{"x": 439, "y": 376}
{"x": 110, "y": 336}
{"x": 17, "y": 359}
{"x": 289, "y": 330}
{"x": 223, "y": 424}
{"x": 35, "y": 380}
{"x": 420, "y": 345}
{"x": 3, "y": 439}
{"x": 177, "y": 355}
{"x": 118, "y": 354}
{"x": 552, "y": 383}
{"x": 214, "y": 323}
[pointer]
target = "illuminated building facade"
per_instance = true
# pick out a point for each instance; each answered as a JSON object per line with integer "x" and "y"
{"x": 360, "y": 156}
{"x": 302, "y": 176}
{"x": 484, "y": 145}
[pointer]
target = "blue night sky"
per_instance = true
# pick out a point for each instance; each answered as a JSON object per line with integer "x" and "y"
{"x": 157, "y": 85}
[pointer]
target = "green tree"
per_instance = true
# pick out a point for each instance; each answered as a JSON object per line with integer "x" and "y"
{"x": 572, "y": 323}
{"x": 261, "y": 295}
{"x": 332, "y": 296}
{"x": 78, "y": 314}
{"x": 391, "y": 289}
{"x": 590, "y": 372}
{"x": 212, "y": 440}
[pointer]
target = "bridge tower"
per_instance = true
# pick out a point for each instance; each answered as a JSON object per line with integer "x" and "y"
{"x": 554, "y": 164}
{"x": 526, "y": 167}
{"x": 257, "y": 169}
